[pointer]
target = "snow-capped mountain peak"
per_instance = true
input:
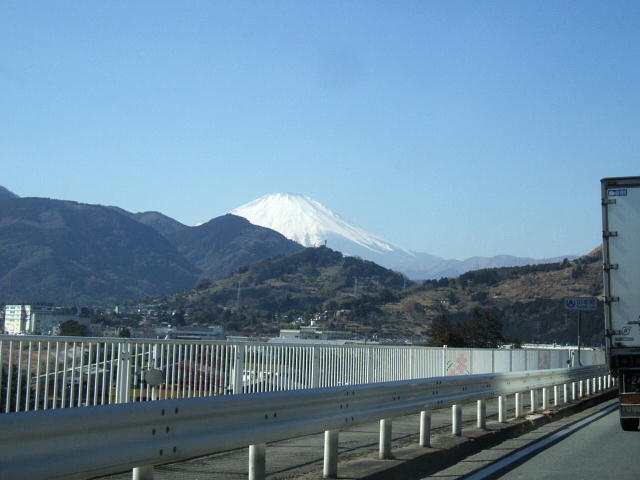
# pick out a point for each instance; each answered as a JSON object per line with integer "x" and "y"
{"x": 308, "y": 222}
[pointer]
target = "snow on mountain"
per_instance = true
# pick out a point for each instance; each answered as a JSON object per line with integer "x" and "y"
{"x": 308, "y": 222}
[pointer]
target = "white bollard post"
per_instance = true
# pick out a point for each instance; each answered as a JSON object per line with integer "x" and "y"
{"x": 456, "y": 420}
{"x": 330, "y": 467}
{"x": 257, "y": 461}
{"x": 534, "y": 401}
{"x": 545, "y": 399}
{"x": 574, "y": 391}
{"x": 425, "y": 429}
{"x": 587, "y": 387}
{"x": 384, "y": 450}
{"x": 143, "y": 473}
{"x": 600, "y": 383}
{"x": 482, "y": 414}
{"x": 556, "y": 396}
{"x": 565, "y": 393}
{"x": 502, "y": 408}
{"x": 581, "y": 389}
{"x": 518, "y": 405}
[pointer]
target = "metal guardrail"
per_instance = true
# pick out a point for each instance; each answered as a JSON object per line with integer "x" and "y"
{"x": 84, "y": 442}
{"x": 40, "y": 373}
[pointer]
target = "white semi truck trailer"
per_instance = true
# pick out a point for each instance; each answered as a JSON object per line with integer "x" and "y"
{"x": 621, "y": 263}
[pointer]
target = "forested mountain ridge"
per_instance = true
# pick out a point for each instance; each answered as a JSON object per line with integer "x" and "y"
{"x": 342, "y": 292}
{"x": 528, "y": 300}
{"x": 222, "y": 245}
{"x": 522, "y": 303}
{"x": 72, "y": 253}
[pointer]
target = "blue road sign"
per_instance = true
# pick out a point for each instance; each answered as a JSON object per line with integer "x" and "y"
{"x": 581, "y": 303}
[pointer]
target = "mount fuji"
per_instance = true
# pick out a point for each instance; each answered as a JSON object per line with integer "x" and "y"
{"x": 309, "y": 223}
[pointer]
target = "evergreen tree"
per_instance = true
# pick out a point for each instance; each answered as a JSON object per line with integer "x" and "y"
{"x": 444, "y": 332}
{"x": 483, "y": 330}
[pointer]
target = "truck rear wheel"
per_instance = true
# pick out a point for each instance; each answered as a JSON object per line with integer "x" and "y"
{"x": 630, "y": 424}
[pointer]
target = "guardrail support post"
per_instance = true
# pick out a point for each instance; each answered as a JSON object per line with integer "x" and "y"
{"x": 565, "y": 393}
{"x": 257, "y": 461}
{"x": 587, "y": 387}
{"x": 556, "y": 396}
{"x": 384, "y": 451}
{"x": 456, "y": 420}
{"x": 502, "y": 408}
{"x": 425, "y": 429}
{"x": 482, "y": 414}
{"x": 534, "y": 400}
{"x": 580, "y": 389}
{"x": 518, "y": 406}
{"x": 330, "y": 469}
{"x": 600, "y": 383}
{"x": 574, "y": 391}
{"x": 143, "y": 473}
{"x": 545, "y": 398}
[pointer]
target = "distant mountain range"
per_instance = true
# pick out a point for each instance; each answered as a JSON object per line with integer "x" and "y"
{"x": 347, "y": 293}
{"x": 68, "y": 252}
{"x": 221, "y": 245}
{"x": 310, "y": 223}
{"x": 73, "y": 253}
{"x": 6, "y": 194}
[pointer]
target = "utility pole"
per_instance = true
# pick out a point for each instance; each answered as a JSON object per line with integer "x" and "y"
{"x": 580, "y": 304}
{"x": 579, "y": 335}
{"x": 238, "y": 297}
{"x": 355, "y": 287}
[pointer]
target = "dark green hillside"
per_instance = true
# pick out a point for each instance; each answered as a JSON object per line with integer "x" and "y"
{"x": 6, "y": 194}
{"x": 313, "y": 281}
{"x": 222, "y": 245}
{"x": 164, "y": 225}
{"x": 518, "y": 303}
{"x": 527, "y": 300}
{"x": 72, "y": 253}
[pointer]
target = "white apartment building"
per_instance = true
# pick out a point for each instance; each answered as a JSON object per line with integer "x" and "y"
{"x": 34, "y": 319}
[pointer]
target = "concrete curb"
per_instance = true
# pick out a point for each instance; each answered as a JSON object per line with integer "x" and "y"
{"x": 414, "y": 461}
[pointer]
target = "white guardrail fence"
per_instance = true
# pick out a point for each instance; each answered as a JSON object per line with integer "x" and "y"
{"x": 84, "y": 442}
{"x": 40, "y": 373}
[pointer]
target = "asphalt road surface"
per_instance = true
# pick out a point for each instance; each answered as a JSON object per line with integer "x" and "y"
{"x": 599, "y": 450}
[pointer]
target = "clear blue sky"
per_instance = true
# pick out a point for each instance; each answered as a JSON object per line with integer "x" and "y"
{"x": 453, "y": 128}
